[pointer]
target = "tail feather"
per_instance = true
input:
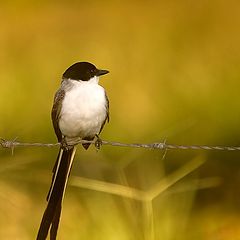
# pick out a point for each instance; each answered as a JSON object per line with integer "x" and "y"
{"x": 55, "y": 222}
{"x": 55, "y": 196}
{"x": 54, "y": 172}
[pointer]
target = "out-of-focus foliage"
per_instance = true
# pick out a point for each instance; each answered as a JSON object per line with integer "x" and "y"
{"x": 174, "y": 75}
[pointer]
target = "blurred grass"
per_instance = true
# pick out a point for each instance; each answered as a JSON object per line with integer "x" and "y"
{"x": 174, "y": 74}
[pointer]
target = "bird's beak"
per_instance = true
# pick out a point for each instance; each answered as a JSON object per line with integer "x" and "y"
{"x": 101, "y": 72}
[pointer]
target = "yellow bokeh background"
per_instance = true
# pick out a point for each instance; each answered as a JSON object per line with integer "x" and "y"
{"x": 174, "y": 75}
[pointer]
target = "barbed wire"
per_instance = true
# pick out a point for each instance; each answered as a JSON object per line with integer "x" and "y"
{"x": 11, "y": 144}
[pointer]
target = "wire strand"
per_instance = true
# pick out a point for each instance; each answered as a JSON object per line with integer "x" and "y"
{"x": 11, "y": 144}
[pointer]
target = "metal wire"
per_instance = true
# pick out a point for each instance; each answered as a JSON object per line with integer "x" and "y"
{"x": 161, "y": 145}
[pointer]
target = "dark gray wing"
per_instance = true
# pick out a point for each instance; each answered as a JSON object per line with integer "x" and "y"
{"x": 107, "y": 113}
{"x": 56, "y": 109}
{"x": 107, "y": 108}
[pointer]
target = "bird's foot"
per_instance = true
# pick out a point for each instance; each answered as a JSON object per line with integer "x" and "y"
{"x": 65, "y": 145}
{"x": 98, "y": 142}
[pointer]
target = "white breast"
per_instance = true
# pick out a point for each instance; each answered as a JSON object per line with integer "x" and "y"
{"x": 83, "y": 109}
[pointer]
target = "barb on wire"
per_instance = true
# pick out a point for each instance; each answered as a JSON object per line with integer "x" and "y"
{"x": 159, "y": 145}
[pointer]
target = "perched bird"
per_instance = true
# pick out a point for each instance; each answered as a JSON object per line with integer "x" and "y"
{"x": 80, "y": 110}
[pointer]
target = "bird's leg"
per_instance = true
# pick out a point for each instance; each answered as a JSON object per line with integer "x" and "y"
{"x": 98, "y": 142}
{"x": 64, "y": 144}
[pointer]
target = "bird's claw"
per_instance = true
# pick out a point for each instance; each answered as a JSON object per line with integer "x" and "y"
{"x": 64, "y": 144}
{"x": 98, "y": 142}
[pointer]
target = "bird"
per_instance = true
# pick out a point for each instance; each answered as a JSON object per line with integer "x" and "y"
{"x": 80, "y": 111}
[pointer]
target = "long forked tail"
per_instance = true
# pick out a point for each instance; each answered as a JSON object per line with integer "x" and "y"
{"x": 52, "y": 214}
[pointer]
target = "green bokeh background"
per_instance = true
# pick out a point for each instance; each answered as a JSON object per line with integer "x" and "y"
{"x": 174, "y": 75}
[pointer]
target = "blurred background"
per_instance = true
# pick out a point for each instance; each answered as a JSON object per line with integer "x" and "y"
{"x": 174, "y": 75}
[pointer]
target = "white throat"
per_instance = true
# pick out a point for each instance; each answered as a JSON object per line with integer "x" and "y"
{"x": 94, "y": 79}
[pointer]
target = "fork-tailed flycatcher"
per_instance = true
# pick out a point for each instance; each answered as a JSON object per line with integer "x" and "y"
{"x": 79, "y": 111}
